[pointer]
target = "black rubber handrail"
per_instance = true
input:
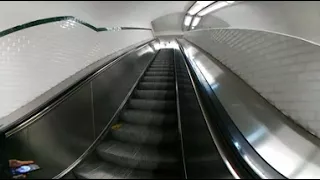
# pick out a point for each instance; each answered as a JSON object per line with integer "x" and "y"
{"x": 64, "y": 18}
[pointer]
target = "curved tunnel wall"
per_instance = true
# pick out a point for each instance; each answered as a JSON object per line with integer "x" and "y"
{"x": 297, "y": 18}
{"x": 283, "y": 69}
{"x": 38, "y": 58}
{"x": 170, "y": 24}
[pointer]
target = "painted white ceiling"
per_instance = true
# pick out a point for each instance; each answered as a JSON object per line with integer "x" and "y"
{"x": 97, "y": 13}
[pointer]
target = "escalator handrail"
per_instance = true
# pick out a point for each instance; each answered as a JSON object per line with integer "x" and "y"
{"x": 214, "y": 137}
{"x": 238, "y": 167}
{"x": 178, "y": 115}
{"x": 106, "y": 129}
{"x": 50, "y": 104}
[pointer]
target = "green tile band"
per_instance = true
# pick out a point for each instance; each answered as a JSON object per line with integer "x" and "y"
{"x": 62, "y": 18}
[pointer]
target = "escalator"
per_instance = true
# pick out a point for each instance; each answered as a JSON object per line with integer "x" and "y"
{"x": 145, "y": 141}
{"x": 159, "y": 120}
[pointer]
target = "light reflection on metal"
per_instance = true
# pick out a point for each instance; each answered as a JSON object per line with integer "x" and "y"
{"x": 231, "y": 169}
{"x": 253, "y": 166}
{"x": 206, "y": 74}
{"x": 257, "y": 138}
{"x": 256, "y": 135}
{"x": 145, "y": 50}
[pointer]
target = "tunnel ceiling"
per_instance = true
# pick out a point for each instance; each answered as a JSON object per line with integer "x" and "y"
{"x": 98, "y": 13}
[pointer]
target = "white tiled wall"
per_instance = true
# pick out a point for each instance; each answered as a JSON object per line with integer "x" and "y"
{"x": 36, "y": 59}
{"x": 298, "y": 18}
{"x": 97, "y": 13}
{"x": 283, "y": 69}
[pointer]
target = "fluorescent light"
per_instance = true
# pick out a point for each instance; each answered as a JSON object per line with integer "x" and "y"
{"x": 213, "y": 7}
{"x": 187, "y": 20}
{"x": 195, "y": 21}
{"x": 194, "y": 9}
{"x": 198, "y": 6}
{"x": 230, "y": 2}
{"x": 204, "y": 3}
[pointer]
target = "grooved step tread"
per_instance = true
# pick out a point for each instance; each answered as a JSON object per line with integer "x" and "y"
{"x": 156, "y": 86}
{"x": 148, "y": 118}
{"x": 157, "y": 79}
{"x": 137, "y": 156}
{"x": 154, "y": 94}
{"x": 160, "y": 69}
{"x": 105, "y": 170}
{"x": 144, "y": 134}
{"x": 160, "y": 73}
{"x": 155, "y": 105}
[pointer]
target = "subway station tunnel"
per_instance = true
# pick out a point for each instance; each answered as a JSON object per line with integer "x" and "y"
{"x": 162, "y": 89}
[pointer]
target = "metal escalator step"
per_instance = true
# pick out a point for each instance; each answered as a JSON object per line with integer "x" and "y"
{"x": 158, "y": 79}
{"x": 161, "y": 66}
{"x": 162, "y": 62}
{"x": 153, "y": 105}
{"x": 137, "y": 156}
{"x": 141, "y": 134}
{"x": 148, "y": 118}
{"x": 154, "y": 94}
{"x": 104, "y": 170}
{"x": 154, "y": 73}
{"x": 161, "y": 69}
{"x": 155, "y": 86}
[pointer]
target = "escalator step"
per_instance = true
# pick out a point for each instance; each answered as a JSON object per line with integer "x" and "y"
{"x": 154, "y": 73}
{"x": 161, "y": 69}
{"x": 147, "y": 117}
{"x": 137, "y": 156}
{"x": 162, "y": 66}
{"x": 144, "y": 134}
{"x": 154, "y": 105}
{"x": 162, "y": 60}
{"x": 162, "y": 63}
{"x": 158, "y": 79}
{"x": 154, "y": 94}
{"x": 105, "y": 170}
{"x": 155, "y": 86}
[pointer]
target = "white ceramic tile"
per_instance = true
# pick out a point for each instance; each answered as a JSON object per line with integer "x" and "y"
{"x": 36, "y": 59}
